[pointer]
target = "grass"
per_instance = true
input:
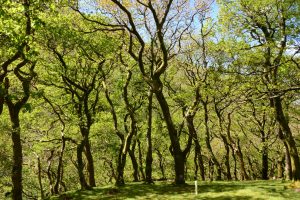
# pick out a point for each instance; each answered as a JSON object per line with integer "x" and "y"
{"x": 218, "y": 190}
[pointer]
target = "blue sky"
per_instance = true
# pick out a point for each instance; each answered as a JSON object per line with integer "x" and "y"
{"x": 215, "y": 10}
{"x": 89, "y": 7}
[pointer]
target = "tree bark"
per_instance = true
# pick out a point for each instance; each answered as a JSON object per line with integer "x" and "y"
{"x": 40, "y": 177}
{"x": 236, "y": 149}
{"x": 17, "y": 155}
{"x": 149, "y": 158}
{"x": 198, "y": 154}
{"x": 90, "y": 164}
{"x": 126, "y": 141}
{"x": 120, "y": 167}
{"x": 280, "y": 169}
{"x": 161, "y": 164}
{"x": 124, "y": 148}
{"x": 177, "y": 153}
{"x": 227, "y": 163}
{"x": 264, "y": 157}
{"x": 239, "y": 153}
{"x": 251, "y": 170}
{"x": 211, "y": 170}
{"x": 207, "y": 140}
{"x": 14, "y": 110}
{"x": 196, "y": 167}
{"x": 265, "y": 163}
{"x": 192, "y": 132}
{"x": 49, "y": 172}
{"x": 84, "y": 147}
{"x": 60, "y": 166}
{"x": 289, "y": 139}
{"x": 224, "y": 138}
{"x": 80, "y": 165}
{"x": 288, "y": 166}
{"x": 134, "y": 162}
{"x": 235, "y": 163}
{"x": 141, "y": 168}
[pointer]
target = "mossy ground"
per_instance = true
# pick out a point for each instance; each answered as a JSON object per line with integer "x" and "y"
{"x": 217, "y": 190}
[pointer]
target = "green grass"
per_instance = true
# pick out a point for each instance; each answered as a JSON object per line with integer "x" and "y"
{"x": 206, "y": 190}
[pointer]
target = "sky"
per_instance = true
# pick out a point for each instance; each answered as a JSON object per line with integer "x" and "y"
{"x": 89, "y": 6}
{"x": 215, "y": 10}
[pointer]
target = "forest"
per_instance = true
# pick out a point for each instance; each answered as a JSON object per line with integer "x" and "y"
{"x": 110, "y": 92}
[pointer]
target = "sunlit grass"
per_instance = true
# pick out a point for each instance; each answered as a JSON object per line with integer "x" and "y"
{"x": 206, "y": 190}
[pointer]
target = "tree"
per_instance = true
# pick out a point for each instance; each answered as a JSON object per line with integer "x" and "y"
{"x": 268, "y": 29}
{"x": 164, "y": 23}
{"x": 78, "y": 66}
{"x": 17, "y": 70}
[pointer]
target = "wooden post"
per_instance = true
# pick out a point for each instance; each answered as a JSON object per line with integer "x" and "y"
{"x": 196, "y": 187}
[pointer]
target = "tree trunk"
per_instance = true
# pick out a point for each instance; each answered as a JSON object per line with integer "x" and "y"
{"x": 251, "y": 170}
{"x": 124, "y": 148}
{"x": 193, "y": 133}
{"x": 17, "y": 154}
{"x": 288, "y": 166}
{"x": 17, "y": 164}
{"x": 141, "y": 168}
{"x": 239, "y": 153}
{"x": 196, "y": 167}
{"x": 272, "y": 169}
{"x": 236, "y": 148}
{"x": 211, "y": 170}
{"x": 120, "y": 167}
{"x": 80, "y": 165}
{"x": 178, "y": 155}
{"x": 198, "y": 153}
{"x": 227, "y": 164}
{"x": 264, "y": 156}
{"x": 207, "y": 140}
{"x": 134, "y": 162}
{"x": 161, "y": 164}
{"x": 90, "y": 164}
{"x": 224, "y": 139}
{"x": 149, "y": 158}
{"x": 60, "y": 166}
{"x": 280, "y": 170}
{"x": 49, "y": 172}
{"x": 179, "y": 159}
{"x": 40, "y": 177}
{"x": 265, "y": 163}
{"x": 235, "y": 163}
{"x": 288, "y": 137}
{"x": 126, "y": 141}
{"x": 85, "y": 147}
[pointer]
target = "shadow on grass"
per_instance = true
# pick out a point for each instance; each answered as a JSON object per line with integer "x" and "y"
{"x": 231, "y": 198}
{"x": 165, "y": 190}
{"x": 219, "y": 187}
{"x": 132, "y": 191}
{"x": 146, "y": 190}
{"x": 273, "y": 189}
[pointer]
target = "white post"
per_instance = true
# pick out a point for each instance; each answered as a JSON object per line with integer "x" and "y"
{"x": 196, "y": 187}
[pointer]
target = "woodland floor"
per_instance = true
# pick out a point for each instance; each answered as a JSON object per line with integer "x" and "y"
{"x": 217, "y": 190}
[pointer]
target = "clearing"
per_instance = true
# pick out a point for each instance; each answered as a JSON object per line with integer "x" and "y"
{"x": 216, "y": 190}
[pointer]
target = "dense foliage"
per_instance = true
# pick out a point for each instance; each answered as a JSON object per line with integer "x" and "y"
{"x": 94, "y": 92}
